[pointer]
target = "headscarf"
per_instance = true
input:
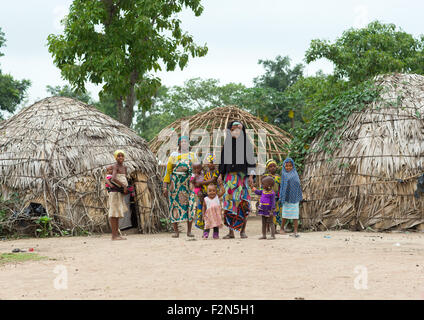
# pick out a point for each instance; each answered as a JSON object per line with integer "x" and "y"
{"x": 269, "y": 162}
{"x": 183, "y": 137}
{"x": 237, "y": 153}
{"x": 210, "y": 158}
{"x": 290, "y": 190}
{"x": 117, "y": 153}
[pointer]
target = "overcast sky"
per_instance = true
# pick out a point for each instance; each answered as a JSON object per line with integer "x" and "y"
{"x": 238, "y": 33}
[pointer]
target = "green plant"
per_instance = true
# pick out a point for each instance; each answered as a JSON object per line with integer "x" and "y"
{"x": 45, "y": 228}
{"x": 327, "y": 121}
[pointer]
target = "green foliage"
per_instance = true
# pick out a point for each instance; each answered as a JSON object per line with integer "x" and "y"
{"x": 12, "y": 91}
{"x": 67, "y": 91}
{"x": 44, "y": 226}
{"x": 377, "y": 49}
{"x": 310, "y": 94}
{"x": 171, "y": 103}
{"x": 278, "y": 74}
{"x": 119, "y": 43}
{"x": 328, "y": 120}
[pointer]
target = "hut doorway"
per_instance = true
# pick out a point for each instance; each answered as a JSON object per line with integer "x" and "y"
{"x": 129, "y": 221}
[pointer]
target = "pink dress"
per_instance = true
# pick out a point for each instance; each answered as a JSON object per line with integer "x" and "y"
{"x": 212, "y": 215}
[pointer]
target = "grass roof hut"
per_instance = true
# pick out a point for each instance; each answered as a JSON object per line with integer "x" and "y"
{"x": 55, "y": 152}
{"x": 274, "y": 144}
{"x": 369, "y": 181}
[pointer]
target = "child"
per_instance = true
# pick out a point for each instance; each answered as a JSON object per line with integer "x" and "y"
{"x": 266, "y": 205}
{"x": 290, "y": 194}
{"x": 196, "y": 180}
{"x": 117, "y": 205}
{"x": 210, "y": 177}
{"x": 211, "y": 174}
{"x": 211, "y": 210}
{"x": 113, "y": 187}
{"x": 271, "y": 170}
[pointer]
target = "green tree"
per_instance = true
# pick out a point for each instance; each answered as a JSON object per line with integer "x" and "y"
{"x": 12, "y": 91}
{"x": 377, "y": 49}
{"x": 171, "y": 103}
{"x": 66, "y": 91}
{"x": 278, "y": 74}
{"x": 120, "y": 43}
{"x": 310, "y": 94}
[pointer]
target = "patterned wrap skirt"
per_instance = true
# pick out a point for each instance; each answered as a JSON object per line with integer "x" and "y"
{"x": 236, "y": 200}
{"x": 181, "y": 199}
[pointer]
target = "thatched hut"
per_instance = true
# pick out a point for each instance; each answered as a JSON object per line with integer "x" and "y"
{"x": 369, "y": 182}
{"x": 55, "y": 153}
{"x": 269, "y": 140}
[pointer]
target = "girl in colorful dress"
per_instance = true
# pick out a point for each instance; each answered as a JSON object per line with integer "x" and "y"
{"x": 212, "y": 210}
{"x": 181, "y": 198}
{"x": 271, "y": 171}
{"x": 266, "y": 205}
{"x": 237, "y": 168}
{"x": 290, "y": 194}
{"x": 211, "y": 175}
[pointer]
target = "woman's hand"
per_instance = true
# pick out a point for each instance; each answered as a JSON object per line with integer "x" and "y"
{"x": 165, "y": 191}
{"x": 125, "y": 190}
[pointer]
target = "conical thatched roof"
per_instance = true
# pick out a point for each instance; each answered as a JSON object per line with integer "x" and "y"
{"x": 218, "y": 119}
{"x": 55, "y": 153}
{"x": 371, "y": 179}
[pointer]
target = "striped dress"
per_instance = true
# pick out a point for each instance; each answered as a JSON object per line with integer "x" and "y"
{"x": 290, "y": 210}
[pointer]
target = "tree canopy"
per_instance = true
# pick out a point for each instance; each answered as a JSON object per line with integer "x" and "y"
{"x": 12, "y": 91}
{"x": 120, "y": 43}
{"x": 377, "y": 49}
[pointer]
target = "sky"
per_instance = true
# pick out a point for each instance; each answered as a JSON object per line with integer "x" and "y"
{"x": 237, "y": 32}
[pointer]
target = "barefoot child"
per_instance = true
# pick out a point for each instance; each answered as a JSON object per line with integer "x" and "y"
{"x": 266, "y": 205}
{"x": 290, "y": 194}
{"x": 210, "y": 176}
{"x": 271, "y": 171}
{"x": 211, "y": 210}
{"x": 117, "y": 205}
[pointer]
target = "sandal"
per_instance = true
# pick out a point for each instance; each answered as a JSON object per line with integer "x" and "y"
{"x": 205, "y": 235}
{"x": 243, "y": 235}
{"x": 262, "y": 238}
{"x": 216, "y": 235}
{"x": 190, "y": 235}
{"x": 175, "y": 235}
{"x": 228, "y": 236}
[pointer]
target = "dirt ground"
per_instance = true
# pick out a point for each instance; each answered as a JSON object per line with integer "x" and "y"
{"x": 318, "y": 265}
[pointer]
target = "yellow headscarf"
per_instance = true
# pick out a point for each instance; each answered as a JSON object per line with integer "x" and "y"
{"x": 270, "y": 161}
{"x": 117, "y": 152}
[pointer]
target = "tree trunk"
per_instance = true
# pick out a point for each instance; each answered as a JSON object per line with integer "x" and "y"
{"x": 126, "y": 113}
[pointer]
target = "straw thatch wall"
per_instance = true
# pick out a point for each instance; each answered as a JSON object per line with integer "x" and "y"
{"x": 55, "y": 153}
{"x": 371, "y": 179}
{"x": 217, "y": 119}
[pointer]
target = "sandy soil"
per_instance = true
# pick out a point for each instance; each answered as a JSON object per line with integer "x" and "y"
{"x": 318, "y": 265}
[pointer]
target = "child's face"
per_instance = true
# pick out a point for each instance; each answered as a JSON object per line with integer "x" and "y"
{"x": 211, "y": 191}
{"x": 272, "y": 168}
{"x": 120, "y": 158}
{"x": 288, "y": 166}
{"x": 109, "y": 170}
{"x": 197, "y": 168}
{"x": 268, "y": 184}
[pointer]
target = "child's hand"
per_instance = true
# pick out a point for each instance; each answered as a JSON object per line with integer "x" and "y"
{"x": 220, "y": 182}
